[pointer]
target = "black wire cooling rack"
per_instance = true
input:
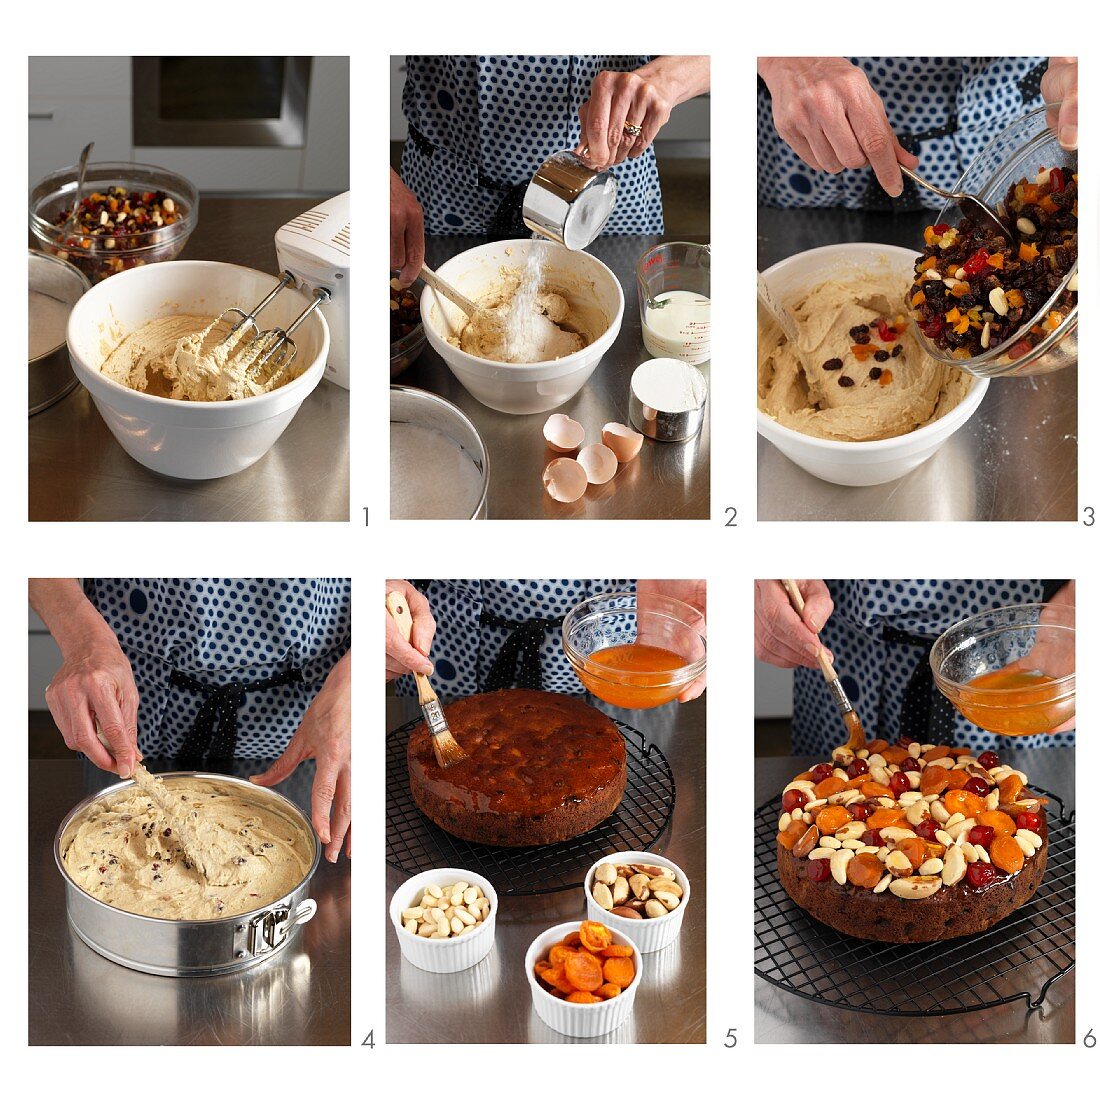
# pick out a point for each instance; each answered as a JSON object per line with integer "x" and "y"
{"x": 1019, "y": 958}
{"x": 414, "y": 843}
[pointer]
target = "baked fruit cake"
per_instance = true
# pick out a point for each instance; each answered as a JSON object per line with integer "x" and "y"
{"x": 911, "y": 842}
{"x": 540, "y": 768}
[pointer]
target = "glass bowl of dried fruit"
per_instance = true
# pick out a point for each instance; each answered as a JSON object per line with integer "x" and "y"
{"x": 407, "y": 338}
{"x": 131, "y": 214}
{"x": 1011, "y": 670}
{"x": 1005, "y": 307}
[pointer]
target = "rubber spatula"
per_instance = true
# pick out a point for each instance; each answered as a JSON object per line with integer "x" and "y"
{"x": 446, "y": 748}
{"x": 856, "y": 737}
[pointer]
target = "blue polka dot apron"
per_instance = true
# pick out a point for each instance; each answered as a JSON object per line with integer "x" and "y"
{"x": 494, "y": 635}
{"x": 479, "y": 128}
{"x": 943, "y": 109}
{"x": 880, "y": 633}
{"x": 224, "y": 668}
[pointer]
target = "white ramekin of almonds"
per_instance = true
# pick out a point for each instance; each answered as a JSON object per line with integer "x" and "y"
{"x": 642, "y": 894}
{"x": 445, "y": 919}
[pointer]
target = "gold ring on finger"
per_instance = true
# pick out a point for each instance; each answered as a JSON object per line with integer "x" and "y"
{"x": 632, "y": 130}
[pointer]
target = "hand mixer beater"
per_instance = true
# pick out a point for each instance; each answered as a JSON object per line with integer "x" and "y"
{"x": 268, "y": 353}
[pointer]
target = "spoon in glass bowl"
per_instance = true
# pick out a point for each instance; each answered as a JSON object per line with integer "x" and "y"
{"x": 971, "y": 206}
{"x": 81, "y": 170}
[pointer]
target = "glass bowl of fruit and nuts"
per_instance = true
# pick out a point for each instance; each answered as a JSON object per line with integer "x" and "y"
{"x": 130, "y": 214}
{"x": 407, "y": 339}
{"x": 995, "y": 306}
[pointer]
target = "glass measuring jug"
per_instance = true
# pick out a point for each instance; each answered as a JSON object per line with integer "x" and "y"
{"x": 674, "y": 300}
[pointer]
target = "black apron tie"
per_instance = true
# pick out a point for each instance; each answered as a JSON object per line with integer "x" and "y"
{"x": 518, "y": 663}
{"x": 213, "y": 737}
{"x": 926, "y": 716}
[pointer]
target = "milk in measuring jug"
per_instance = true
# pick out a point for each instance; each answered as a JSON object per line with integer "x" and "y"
{"x": 681, "y": 328}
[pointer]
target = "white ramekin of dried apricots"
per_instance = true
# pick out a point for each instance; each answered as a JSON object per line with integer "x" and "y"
{"x": 583, "y": 978}
{"x": 650, "y": 931}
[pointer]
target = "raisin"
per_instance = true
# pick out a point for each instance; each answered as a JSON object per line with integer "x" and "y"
{"x": 846, "y": 381}
{"x": 832, "y": 364}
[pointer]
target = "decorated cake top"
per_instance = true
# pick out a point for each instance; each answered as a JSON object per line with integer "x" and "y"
{"x": 911, "y": 819}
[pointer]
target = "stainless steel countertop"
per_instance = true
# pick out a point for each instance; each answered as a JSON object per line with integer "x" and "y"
{"x": 302, "y": 996}
{"x": 78, "y": 471}
{"x": 665, "y": 482}
{"x": 1016, "y": 459}
{"x": 492, "y": 1000}
{"x": 784, "y": 1018}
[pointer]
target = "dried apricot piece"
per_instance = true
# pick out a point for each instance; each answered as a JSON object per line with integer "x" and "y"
{"x": 585, "y": 997}
{"x": 795, "y": 830}
{"x": 832, "y": 818}
{"x": 915, "y": 850}
{"x": 938, "y": 752}
{"x": 559, "y": 952}
{"x": 1006, "y": 854}
{"x": 609, "y": 990}
{"x": 934, "y": 849}
{"x": 961, "y": 800}
{"x": 957, "y": 778}
{"x": 583, "y": 971}
{"x": 865, "y": 870}
{"x": 571, "y": 940}
{"x": 595, "y": 937}
{"x": 876, "y": 745}
{"x": 555, "y": 978}
{"x": 933, "y": 780}
{"x": 895, "y": 754}
{"x": 1001, "y": 822}
{"x": 884, "y": 817}
{"x": 1011, "y": 788}
{"x": 828, "y": 786}
{"x": 617, "y": 950}
{"x": 619, "y": 970}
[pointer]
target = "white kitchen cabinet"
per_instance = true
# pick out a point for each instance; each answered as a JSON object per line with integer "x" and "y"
{"x": 43, "y": 660}
{"x": 326, "y": 166}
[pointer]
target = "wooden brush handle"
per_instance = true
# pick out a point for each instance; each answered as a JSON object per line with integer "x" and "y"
{"x": 398, "y": 607}
{"x": 794, "y": 594}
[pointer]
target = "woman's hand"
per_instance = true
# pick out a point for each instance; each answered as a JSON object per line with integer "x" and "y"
{"x": 1060, "y": 86}
{"x": 94, "y": 687}
{"x": 693, "y": 593}
{"x": 643, "y": 98}
{"x": 324, "y": 735}
{"x": 1054, "y": 653}
{"x": 825, "y": 109}
{"x": 403, "y": 657}
{"x": 782, "y": 638}
{"x": 406, "y": 231}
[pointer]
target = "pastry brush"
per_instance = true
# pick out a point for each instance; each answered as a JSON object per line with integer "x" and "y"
{"x": 445, "y": 746}
{"x": 856, "y": 737}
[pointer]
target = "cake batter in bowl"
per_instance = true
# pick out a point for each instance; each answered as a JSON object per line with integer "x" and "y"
{"x": 582, "y": 298}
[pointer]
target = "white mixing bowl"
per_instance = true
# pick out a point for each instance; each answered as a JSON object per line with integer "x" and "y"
{"x": 196, "y": 440}
{"x": 593, "y": 292}
{"x": 865, "y": 462}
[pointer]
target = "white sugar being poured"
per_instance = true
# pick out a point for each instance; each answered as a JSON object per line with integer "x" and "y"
{"x": 520, "y": 322}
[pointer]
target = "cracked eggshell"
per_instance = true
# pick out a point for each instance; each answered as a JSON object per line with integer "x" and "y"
{"x": 565, "y": 480}
{"x": 562, "y": 433}
{"x": 599, "y": 463}
{"x": 622, "y": 440}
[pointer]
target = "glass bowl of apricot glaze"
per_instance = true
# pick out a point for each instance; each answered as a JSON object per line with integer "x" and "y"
{"x": 1012, "y": 670}
{"x": 635, "y": 654}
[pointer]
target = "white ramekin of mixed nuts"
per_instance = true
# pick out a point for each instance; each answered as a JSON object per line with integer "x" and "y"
{"x": 642, "y": 894}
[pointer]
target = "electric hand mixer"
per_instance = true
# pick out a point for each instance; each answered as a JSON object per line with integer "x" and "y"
{"x": 314, "y": 251}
